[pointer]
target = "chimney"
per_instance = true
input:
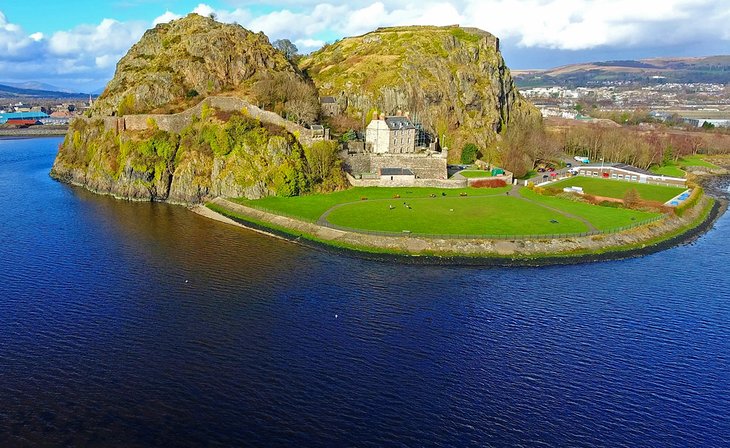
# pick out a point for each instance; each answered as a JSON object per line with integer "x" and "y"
{"x": 382, "y": 116}
{"x": 399, "y": 113}
{"x": 407, "y": 115}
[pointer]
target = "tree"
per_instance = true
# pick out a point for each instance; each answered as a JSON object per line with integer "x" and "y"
{"x": 287, "y": 48}
{"x": 469, "y": 153}
{"x": 323, "y": 167}
{"x": 289, "y": 96}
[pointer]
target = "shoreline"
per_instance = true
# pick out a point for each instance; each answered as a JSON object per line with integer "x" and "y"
{"x": 50, "y": 131}
{"x": 709, "y": 214}
{"x": 703, "y": 216}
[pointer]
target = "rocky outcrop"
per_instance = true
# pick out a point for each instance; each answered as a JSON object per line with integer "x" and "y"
{"x": 180, "y": 62}
{"x": 451, "y": 79}
{"x": 150, "y": 137}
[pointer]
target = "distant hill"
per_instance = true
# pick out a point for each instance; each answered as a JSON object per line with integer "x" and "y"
{"x": 9, "y": 91}
{"x": 35, "y": 85}
{"x": 711, "y": 69}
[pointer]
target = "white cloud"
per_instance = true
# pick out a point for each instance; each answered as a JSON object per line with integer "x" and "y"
{"x": 15, "y": 45}
{"x": 167, "y": 17}
{"x": 91, "y": 51}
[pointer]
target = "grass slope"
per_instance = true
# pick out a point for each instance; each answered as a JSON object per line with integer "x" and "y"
{"x": 617, "y": 189}
{"x": 495, "y": 215}
{"x": 676, "y": 169}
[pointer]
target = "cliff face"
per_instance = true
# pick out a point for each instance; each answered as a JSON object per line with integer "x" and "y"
{"x": 451, "y": 79}
{"x": 176, "y": 64}
{"x": 222, "y": 146}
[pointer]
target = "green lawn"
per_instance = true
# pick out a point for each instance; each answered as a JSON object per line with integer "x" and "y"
{"x": 617, "y": 188}
{"x": 497, "y": 215}
{"x": 475, "y": 174}
{"x": 696, "y": 160}
{"x": 675, "y": 169}
{"x": 604, "y": 218}
{"x": 670, "y": 169}
{"x": 311, "y": 207}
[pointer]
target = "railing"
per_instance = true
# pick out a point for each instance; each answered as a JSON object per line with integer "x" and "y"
{"x": 330, "y": 225}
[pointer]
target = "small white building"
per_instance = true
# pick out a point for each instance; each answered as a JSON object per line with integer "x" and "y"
{"x": 397, "y": 174}
{"x": 622, "y": 171}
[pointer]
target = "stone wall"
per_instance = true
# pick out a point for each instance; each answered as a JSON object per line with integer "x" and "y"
{"x": 432, "y": 183}
{"x": 424, "y": 166}
{"x": 175, "y": 123}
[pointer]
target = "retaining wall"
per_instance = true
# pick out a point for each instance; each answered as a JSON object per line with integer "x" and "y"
{"x": 175, "y": 123}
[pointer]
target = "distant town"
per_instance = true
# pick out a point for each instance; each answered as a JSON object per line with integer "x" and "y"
{"x": 692, "y": 104}
{"x": 15, "y": 114}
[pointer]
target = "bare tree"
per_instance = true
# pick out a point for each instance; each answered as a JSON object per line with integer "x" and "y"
{"x": 287, "y": 48}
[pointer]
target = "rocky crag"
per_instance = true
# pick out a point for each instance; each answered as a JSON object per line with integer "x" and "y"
{"x": 451, "y": 79}
{"x": 220, "y": 146}
{"x": 177, "y": 64}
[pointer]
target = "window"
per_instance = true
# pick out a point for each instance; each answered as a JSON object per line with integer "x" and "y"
{"x": 613, "y": 176}
{"x": 634, "y": 178}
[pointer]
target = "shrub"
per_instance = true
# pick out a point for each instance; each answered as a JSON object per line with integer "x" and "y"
{"x": 689, "y": 203}
{"x": 469, "y": 153}
{"x": 489, "y": 183}
{"x": 611, "y": 204}
{"x": 631, "y": 198}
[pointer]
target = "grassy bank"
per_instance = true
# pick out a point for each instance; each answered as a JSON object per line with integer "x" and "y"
{"x": 677, "y": 169}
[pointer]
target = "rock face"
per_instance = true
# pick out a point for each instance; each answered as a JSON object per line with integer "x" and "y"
{"x": 176, "y": 64}
{"x": 217, "y": 146}
{"x": 451, "y": 79}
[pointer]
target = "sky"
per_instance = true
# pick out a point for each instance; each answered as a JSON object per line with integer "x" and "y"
{"x": 75, "y": 44}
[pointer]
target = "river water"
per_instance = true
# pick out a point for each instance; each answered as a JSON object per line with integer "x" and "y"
{"x": 138, "y": 324}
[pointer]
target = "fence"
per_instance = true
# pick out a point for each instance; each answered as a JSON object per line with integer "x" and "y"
{"x": 403, "y": 233}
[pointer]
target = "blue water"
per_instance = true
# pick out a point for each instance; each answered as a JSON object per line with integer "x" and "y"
{"x": 137, "y": 324}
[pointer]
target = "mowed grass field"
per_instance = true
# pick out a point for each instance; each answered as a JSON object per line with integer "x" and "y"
{"x": 617, "y": 188}
{"x": 495, "y": 215}
{"x": 311, "y": 207}
{"x": 484, "y": 211}
{"x": 603, "y": 218}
